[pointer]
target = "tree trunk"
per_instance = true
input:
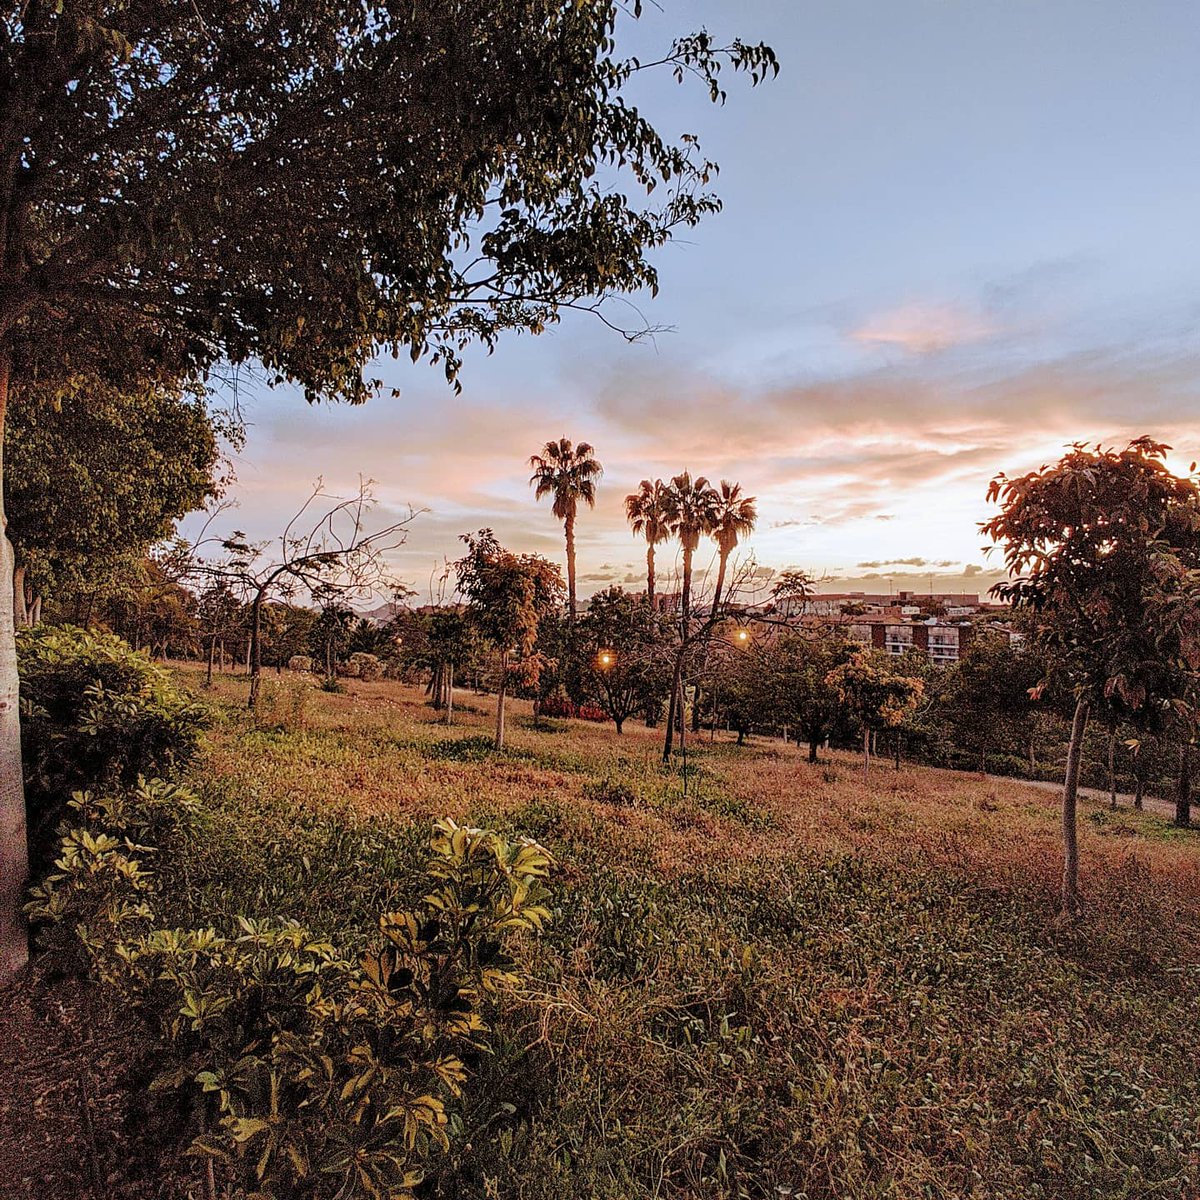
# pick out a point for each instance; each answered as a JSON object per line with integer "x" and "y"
{"x": 212, "y": 653}
{"x": 1183, "y": 791}
{"x": 676, "y": 683}
{"x": 897, "y": 748}
{"x": 620, "y": 723}
{"x": 1070, "y": 880}
{"x": 866, "y": 754}
{"x": 650, "y": 575}
{"x": 569, "y": 527}
{"x": 21, "y": 605}
{"x": 254, "y": 652}
{"x": 14, "y": 851}
{"x": 685, "y": 600}
{"x": 449, "y": 693}
{"x": 1112, "y": 768}
{"x": 813, "y": 742}
{"x": 500, "y": 700}
{"x": 720, "y": 580}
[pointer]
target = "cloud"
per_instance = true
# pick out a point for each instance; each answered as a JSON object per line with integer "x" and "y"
{"x": 915, "y": 561}
{"x": 925, "y": 328}
{"x": 876, "y": 463}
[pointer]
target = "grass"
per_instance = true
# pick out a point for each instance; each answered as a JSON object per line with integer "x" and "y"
{"x": 777, "y": 982}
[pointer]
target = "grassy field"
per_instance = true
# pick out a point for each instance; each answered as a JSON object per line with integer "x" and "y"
{"x": 777, "y": 981}
{"x": 767, "y": 980}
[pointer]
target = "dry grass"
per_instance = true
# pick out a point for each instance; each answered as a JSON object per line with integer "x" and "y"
{"x": 380, "y": 749}
{"x": 779, "y": 981}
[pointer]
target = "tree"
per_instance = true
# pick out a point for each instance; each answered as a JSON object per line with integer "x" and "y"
{"x": 874, "y": 696}
{"x": 1104, "y": 549}
{"x": 217, "y": 612}
{"x": 648, "y": 515}
{"x": 508, "y": 595}
{"x": 624, "y": 643}
{"x": 569, "y": 474}
{"x": 332, "y": 558}
{"x": 734, "y": 517}
{"x": 95, "y": 477}
{"x": 691, "y": 515}
{"x": 802, "y": 695}
{"x": 299, "y": 186}
{"x": 987, "y": 697}
{"x": 331, "y": 634}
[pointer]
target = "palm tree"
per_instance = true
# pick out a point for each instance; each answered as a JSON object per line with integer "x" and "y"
{"x": 569, "y": 474}
{"x": 649, "y": 515}
{"x": 735, "y": 518}
{"x": 691, "y": 512}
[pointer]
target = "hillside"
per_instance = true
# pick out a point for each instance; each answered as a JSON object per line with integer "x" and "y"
{"x": 779, "y": 982}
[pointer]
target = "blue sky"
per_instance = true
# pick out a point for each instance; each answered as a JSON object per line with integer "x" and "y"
{"x": 957, "y": 235}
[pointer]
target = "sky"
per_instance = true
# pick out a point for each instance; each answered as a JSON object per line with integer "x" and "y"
{"x": 957, "y": 235}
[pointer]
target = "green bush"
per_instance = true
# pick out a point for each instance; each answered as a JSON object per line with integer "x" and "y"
{"x": 96, "y": 716}
{"x": 315, "y": 1070}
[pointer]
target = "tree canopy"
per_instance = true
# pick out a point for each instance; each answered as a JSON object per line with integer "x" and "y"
{"x": 300, "y": 184}
{"x": 96, "y": 476}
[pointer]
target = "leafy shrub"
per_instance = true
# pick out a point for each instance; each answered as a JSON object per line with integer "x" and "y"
{"x": 557, "y": 706}
{"x": 560, "y": 706}
{"x": 95, "y": 715}
{"x": 332, "y": 684}
{"x": 365, "y": 666}
{"x": 320, "y": 1072}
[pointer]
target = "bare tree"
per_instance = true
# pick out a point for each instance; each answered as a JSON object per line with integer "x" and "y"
{"x": 329, "y": 555}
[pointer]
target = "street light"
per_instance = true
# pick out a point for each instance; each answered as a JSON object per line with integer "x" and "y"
{"x": 605, "y": 658}
{"x": 742, "y": 636}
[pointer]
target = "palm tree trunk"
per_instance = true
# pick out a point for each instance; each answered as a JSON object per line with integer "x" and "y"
{"x": 1070, "y": 881}
{"x": 720, "y": 588}
{"x": 449, "y": 693}
{"x": 685, "y": 600}
{"x": 569, "y": 527}
{"x": 650, "y": 575}
{"x": 14, "y": 853}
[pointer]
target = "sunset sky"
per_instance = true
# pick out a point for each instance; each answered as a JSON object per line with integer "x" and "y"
{"x": 957, "y": 234}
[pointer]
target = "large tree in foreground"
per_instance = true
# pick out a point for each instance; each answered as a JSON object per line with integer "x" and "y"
{"x": 568, "y": 473}
{"x": 302, "y": 184}
{"x": 1104, "y": 548}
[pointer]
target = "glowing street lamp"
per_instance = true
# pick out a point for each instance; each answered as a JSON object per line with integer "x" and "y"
{"x": 605, "y": 658}
{"x": 742, "y": 636}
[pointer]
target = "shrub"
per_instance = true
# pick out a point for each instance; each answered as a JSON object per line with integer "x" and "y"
{"x": 557, "y": 706}
{"x": 318, "y": 1071}
{"x": 96, "y": 715}
{"x": 590, "y": 712}
{"x": 301, "y": 662}
{"x": 364, "y": 666}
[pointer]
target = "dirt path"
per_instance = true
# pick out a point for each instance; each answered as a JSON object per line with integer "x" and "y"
{"x": 1152, "y": 804}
